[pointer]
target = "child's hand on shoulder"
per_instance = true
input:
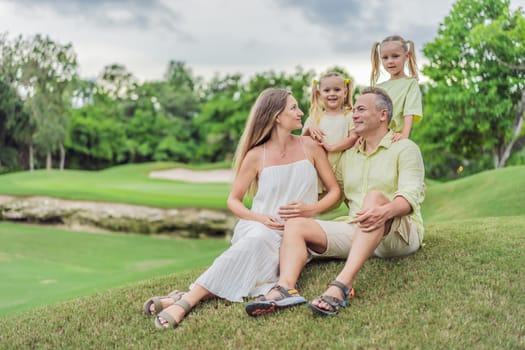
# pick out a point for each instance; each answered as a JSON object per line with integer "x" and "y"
{"x": 316, "y": 133}
{"x": 398, "y": 136}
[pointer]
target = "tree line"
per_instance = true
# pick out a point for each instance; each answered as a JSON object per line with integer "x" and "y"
{"x": 50, "y": 117}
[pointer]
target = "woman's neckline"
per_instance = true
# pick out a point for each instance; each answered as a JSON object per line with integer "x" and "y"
{"x": 291, "y": 163}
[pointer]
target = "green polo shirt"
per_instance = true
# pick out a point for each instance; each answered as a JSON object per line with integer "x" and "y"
{"x": 394, "y": 168}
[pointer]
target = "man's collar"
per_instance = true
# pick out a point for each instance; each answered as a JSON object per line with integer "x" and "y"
{"x": 386, "y": 142}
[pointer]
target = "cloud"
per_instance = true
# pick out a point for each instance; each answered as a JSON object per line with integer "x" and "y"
{"x": 352, "y": 26}
{"x": 134, "y": 14}
{"x": 330, "y": 13}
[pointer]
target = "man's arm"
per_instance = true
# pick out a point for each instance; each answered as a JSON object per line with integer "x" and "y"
{"x": 411, "y": 176}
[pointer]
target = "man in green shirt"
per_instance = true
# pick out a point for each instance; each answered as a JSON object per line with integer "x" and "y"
{"x": 383, "y": 184}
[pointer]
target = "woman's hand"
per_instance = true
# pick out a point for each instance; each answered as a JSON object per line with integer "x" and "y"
{"x": 271, "y": 222}
{"x": 295, "y": 210}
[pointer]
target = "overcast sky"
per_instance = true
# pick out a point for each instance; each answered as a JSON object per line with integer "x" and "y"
{"x": 225, "y": 36}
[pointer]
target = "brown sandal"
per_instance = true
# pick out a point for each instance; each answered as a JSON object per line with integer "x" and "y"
{"x": 334, "y": 304}
{"x": 157, "y": 301}
{"x": 172, "y": 322}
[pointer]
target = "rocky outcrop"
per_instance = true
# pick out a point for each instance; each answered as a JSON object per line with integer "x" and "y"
{"x": 185, "y": 222}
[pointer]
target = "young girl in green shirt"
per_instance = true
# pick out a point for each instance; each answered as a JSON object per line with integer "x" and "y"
{"x": 394, "y": 52}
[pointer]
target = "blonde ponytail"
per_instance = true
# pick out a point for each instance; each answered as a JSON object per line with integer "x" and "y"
{"x": 374, "y": 57}
{"x": 316, "y": 109}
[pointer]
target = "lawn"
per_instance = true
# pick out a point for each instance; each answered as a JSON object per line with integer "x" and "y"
{"x": 464, "y": 289}
{"x": 42, "y": 265}
{"x": 122, "y": 184}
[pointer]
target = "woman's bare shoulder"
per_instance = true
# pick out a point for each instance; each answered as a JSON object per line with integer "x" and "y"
{"x": 310, "y": 144}
{"x": 254, "y": 156}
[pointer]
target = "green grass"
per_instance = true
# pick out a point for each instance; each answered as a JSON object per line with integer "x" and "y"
{"x": 487, "y": 194}
{"x": 58, "y": 265}
{"x": 463, "y": 290}
{"x": 490, "y": 193}
{"x": 475, "y": 196}
{"x": 121, "y": 184}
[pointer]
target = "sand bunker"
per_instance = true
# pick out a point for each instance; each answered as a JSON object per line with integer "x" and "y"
{"x": 218, "y": 175}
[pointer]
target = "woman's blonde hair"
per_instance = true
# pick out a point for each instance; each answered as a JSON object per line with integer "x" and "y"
{"x": 316, "y": 105}
{"x": 408, "y": 46}
{"x": 259, "y": 125}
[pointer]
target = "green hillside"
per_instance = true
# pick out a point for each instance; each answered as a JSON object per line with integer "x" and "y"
{"x": 487, "y": 194}
{"x": 464, "y": 290}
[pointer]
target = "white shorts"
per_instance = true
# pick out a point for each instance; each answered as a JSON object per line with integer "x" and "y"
{"x": 401, "y": 240}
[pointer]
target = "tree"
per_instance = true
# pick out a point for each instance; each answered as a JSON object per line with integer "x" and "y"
{"x": 15, "y": 128}
{"x": 473, "y": 100}
{"x": 41, "y": 70}
{"x": 221, "y": 121}
{"x": 503, "y": 40}
{"x": 96, "y": 132}
{"x": 116, "y": 81}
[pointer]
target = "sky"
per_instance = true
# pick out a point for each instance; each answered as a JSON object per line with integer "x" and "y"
{"x": 226, "y": 36}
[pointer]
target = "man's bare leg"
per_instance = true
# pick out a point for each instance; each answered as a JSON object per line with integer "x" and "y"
{"x": 363, "y": 246}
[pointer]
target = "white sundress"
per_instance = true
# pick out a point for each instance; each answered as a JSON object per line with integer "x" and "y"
{"x": 250, "y": 266}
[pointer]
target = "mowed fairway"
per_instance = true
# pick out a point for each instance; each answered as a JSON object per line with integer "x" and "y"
{"x": 122, "y": 184}
{"x": 42, "y": 265}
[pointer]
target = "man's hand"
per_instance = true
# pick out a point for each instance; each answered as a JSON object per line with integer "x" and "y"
{"x": 371, "y": 219}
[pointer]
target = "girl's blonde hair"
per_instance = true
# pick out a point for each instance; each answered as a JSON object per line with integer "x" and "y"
{"x": 408, "y": 46}
{"x": 316, "y": 105}
{"x": 259, "y": 125}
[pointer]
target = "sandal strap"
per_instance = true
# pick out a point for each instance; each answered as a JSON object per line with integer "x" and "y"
{"x": 184, "y": 305}
{"x": 175, "y": 296}
{"x": 334, "y": 303}
{"x": 286, "y": 292}
{"x": 344, "y": 289}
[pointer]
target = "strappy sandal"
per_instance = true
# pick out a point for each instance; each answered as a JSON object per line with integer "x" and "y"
{"x": 263, "y": 306}
{"x": 335, "y": 304}
{"x": 157, "y": 301}
{"x": 172, "y": 322}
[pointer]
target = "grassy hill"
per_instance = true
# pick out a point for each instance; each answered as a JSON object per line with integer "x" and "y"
{"x": 487, "y": 194}
{"x": 464, "y": 289}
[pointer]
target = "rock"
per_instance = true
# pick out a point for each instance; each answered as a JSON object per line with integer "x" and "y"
{"x": 183, "y": 222}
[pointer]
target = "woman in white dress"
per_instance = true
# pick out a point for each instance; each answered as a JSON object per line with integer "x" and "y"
{"x": 282, "y": 170}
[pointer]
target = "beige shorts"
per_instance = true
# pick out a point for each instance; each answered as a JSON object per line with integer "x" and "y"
{"x": 401, "y": 240}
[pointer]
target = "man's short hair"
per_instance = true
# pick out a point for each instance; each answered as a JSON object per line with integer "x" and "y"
{"x": 382, "y": 101}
